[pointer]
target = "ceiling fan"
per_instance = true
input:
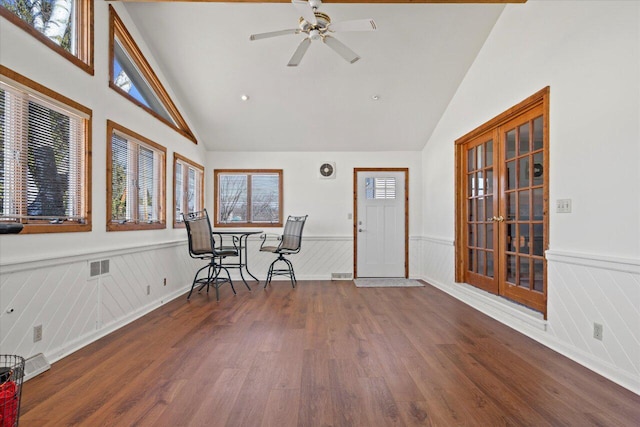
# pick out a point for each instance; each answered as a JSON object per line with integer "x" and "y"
{"x": 318, "y": 26}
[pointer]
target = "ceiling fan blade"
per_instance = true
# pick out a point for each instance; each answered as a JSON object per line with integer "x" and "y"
{"x": 342, "y": 50}
{"x": 355, "y": 25}
{"x": 305, "y": 9}
{"x": 274, "y": 34}
{"x": 299, "y": 53}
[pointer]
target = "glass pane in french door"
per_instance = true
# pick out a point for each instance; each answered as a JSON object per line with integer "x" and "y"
{"x": 524, "y": 205}
{"x": 481, "y": 210}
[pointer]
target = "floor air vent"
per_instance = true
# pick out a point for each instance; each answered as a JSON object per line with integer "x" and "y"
{"x": 35, "y": 366}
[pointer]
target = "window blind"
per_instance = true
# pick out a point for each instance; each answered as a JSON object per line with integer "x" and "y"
{"x": 193, "y": 189}
{"x": 188, "y": 188}
{"x": 136, "y": 180}
{"x": 380, "y": 188}
{"x": 179, "y": 191}
{"x": 42, "y": 163}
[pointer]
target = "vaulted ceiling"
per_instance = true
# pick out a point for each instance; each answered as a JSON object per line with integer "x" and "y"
{"x": 412, "y": 64}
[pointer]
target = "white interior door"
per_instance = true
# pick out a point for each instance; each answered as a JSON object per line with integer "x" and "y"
{"x": 380, "y": 224}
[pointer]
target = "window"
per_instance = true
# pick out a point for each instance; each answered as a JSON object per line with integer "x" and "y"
{"x": 188, "y": 188}
{"x": 248, "y": 197}
{"x": 380, "y": 188}
{"x": 135, "y": 180}
{"x": 45, "y": 157}
{"x": 131, "y": 76}
{"x": 66, "y": 26}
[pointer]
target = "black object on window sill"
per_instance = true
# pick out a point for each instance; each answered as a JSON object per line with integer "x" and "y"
{"x": 10, "y": 228}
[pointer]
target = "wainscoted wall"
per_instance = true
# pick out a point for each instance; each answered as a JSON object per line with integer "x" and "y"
{"x": 74, "y": 308}
{"x": 318, "y": 258}
{"x": 582, "y": 289}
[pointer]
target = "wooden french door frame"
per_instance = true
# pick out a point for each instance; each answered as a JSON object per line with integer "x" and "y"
{"x": 539, "y": 100}
{"x": 355, "y": 215}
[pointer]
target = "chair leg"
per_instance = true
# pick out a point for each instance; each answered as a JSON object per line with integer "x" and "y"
{"x": 195, "y": 280}
{"x": 212, "y": 279}
{"x": 269, "y": 274}
{"x": 217, "y": 281}
{"x": 289, "y": 272}
{"x": 292, "y": 275}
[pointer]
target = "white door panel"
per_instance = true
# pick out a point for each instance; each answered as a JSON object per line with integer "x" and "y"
{"x": 381, "y": 224}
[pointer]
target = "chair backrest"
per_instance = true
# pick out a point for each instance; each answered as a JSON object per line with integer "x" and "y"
{"x": 199, "y": 232}
{"x": 292, "y": 234}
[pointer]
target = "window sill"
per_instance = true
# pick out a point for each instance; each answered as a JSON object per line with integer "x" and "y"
{"x": 55, "y": 228}
{"x": 247, "y": 225}
{"x": 500, "y": 308}
{"x": 136, "y": 226}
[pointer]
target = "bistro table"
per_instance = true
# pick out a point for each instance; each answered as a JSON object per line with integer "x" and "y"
{"x": 239, "y": 242}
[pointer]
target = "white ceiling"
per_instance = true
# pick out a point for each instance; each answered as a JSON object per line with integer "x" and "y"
{"x": 414, "y": 62}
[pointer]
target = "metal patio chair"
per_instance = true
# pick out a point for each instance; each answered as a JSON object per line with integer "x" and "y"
{"x": 203, "y": 246}
{"x": 289, "y": 244}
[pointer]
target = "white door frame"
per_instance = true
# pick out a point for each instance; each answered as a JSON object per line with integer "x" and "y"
{"x": 355, "y": 215}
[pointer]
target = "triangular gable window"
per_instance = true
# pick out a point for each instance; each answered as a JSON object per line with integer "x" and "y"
{"x": 132, "y": 76}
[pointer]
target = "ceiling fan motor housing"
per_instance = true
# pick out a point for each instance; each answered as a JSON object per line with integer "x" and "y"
{"x": 323, "y": 22}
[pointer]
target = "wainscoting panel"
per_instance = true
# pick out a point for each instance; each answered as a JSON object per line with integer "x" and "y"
{"x": 587, "y": 290}
{"x": 438, "y": 260}
{"x": 582, "y": 289}
{"x": 75, "y": 308}
{"x": 317, "y": 259}
{"x": 59, "y": 298}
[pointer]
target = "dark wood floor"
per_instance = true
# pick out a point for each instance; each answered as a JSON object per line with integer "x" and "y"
{"x": 323, "y": 354}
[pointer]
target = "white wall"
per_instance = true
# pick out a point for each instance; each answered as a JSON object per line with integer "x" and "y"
{"x": 328, "y": 233}
{"x": 588, "y": 53}
{"x": 44, "y": 278}
{"x": 327, "y": 201}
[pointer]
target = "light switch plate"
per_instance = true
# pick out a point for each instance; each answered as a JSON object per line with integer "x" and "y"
{"x": 563, "y": 206}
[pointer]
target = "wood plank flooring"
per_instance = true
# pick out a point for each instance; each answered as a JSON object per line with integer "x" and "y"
{"x": 322, "y": 354}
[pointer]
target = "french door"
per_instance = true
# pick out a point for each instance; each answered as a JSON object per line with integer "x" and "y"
{"x": 502, "y": 204}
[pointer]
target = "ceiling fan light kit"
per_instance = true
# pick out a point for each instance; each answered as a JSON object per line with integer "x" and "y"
{"x": 317, "y": 26}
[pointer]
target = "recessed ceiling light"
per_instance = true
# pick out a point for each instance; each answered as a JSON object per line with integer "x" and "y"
{"x": 245, "y": 97}
{"x": 375, "y": 97}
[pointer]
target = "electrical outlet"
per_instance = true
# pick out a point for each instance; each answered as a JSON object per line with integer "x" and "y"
{"x": 597, "y": 331}
{"x": 148, "y": 289}
{"x": 37, "y": 333}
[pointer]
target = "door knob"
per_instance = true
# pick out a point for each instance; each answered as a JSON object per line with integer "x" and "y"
{"x": 360, "y": 230}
